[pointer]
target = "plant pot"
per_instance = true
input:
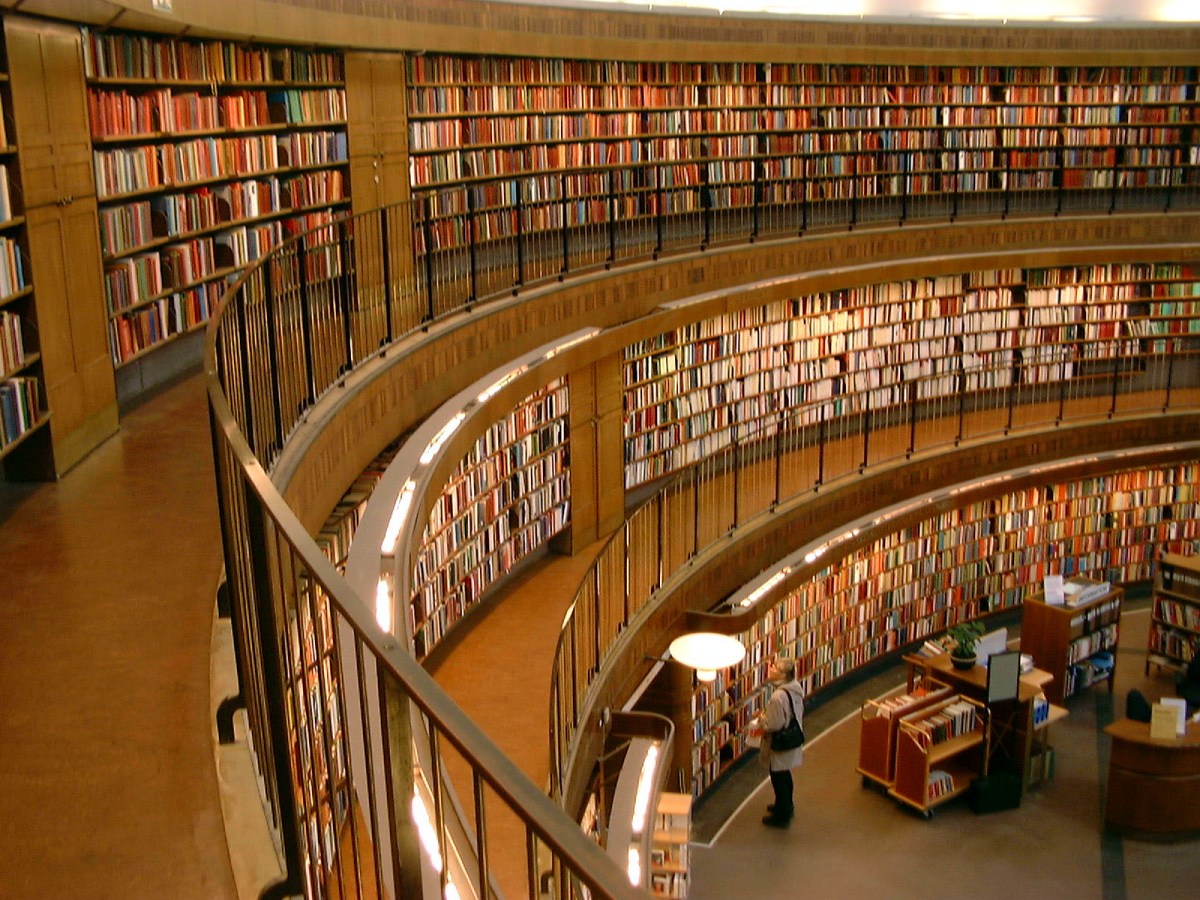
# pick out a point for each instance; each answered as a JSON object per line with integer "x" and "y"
{"x": 963, "y": 662}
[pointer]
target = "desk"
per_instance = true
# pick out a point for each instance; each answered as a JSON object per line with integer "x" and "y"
{"x": 1013, "y": 730}
{"x": 1153, "y": 785}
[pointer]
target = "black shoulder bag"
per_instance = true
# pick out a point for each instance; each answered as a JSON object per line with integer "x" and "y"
{"x": 791, "y": 735}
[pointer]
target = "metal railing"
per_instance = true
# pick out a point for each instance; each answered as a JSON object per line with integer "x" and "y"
{"x": 325, "y": 694}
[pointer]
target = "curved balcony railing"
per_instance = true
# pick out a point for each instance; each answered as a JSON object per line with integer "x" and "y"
{"x": 325, "y": 693}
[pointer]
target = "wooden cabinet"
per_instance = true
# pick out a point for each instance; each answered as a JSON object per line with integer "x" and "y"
{"x": 940, "y": 749}
{"x": 669, "y": 867}
{"x": 61, "y": 306}
{"x": 880, "y": 724}
{"x": 1175, "y": 615}
{"x": 1075, "y": 641}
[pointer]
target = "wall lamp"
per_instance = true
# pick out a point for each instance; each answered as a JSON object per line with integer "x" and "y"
{"x": 707, "y": 651}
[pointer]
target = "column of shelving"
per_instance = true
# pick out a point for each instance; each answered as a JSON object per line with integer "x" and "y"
{"x": 22, "y": 390}
{"x": 207, "y": 155}
{"x": 506, "y": 498}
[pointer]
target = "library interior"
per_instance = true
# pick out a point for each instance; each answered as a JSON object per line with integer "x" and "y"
{"x": 425, "y": 425}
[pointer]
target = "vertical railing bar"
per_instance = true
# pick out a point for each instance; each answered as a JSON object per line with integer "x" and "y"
{"x": 272, "y": 684}
{"x": 385, "y": 257}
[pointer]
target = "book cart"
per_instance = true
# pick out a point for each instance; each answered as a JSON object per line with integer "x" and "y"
{"x": 940, "y": 750}
{"x": 880, "y": 724}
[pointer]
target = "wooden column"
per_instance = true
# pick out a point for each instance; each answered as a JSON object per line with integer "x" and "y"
{"x": 50, "y": 109}
{"x": 597, "y": 454}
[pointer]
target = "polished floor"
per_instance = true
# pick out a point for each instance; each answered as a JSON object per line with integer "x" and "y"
{"x": 110, "y": 787}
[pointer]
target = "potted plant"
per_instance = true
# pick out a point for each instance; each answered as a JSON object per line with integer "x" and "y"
{"x": 962, "y": 643}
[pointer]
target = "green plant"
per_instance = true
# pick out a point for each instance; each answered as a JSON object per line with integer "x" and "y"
{"x": 963, "y": 637}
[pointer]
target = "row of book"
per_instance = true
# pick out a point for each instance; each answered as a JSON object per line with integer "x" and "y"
{"x": 12, "y": 267}
{"x": 133, "y": 332}
{"x": 12, "y": 343}
{"x": 115, "y": 54}
{"x": 7, "y": 212}
{"x": 20, "y": 409}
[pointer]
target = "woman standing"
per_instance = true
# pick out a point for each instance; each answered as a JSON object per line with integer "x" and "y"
{"x": 787, "y": 700}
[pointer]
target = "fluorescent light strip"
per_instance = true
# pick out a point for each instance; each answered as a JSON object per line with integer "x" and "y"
{"x": 443, "y": 435}
{"x": 399, "y": 515}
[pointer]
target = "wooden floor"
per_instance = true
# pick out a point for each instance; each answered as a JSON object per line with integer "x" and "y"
{"x": 108, "y": 786}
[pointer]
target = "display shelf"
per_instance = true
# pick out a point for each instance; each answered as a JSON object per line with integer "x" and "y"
{"x": 939, "y": 750}
{"x": 507, "y": 497}
{"x": 669, "y": 863}
{"x": 1175, "y": 612}
{"x": 207, "y": 154}
{"x": 1074, "y": 641}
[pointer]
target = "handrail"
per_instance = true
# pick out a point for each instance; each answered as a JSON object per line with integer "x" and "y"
{"x": 289, "y": 331}
{"x": 278, "y": 578}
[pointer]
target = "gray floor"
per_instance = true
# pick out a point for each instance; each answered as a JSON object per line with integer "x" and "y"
{"x": 851, "y": 841}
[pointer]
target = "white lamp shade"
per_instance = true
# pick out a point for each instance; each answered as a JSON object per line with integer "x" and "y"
{"x": 706, "y": 651}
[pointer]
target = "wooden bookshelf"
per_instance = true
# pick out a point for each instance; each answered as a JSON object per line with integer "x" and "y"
{"x": 23, "y": 413}
{"x": 572, "y": 138}
{"x": 940, "y": 749}
{"x": 1065, "y": 640}
{"x": 880, "y": 723}
{"x": 507, "y": 497}
{"x": 207, "y": 154}
{"x": 900, "y": 352}
{"x": 1175, "y": 614}
{"x": 669, "y": 865}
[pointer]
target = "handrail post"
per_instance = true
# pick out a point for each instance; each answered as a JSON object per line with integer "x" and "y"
{"x": 566, "y": 240}
{"x": 385, "y": 259}
{"x": 519, "y": 215}
{"x": 427, "y": 229}
{"x": 346, "y": 288}
{"x": 306, "y": 315}
{"x": 612, "y": 219}
{"x": 659, "y": 211}
{"x": 472, "y": 240}
{"x": 268, "y": 296}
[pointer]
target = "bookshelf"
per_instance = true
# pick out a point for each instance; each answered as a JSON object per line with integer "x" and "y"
{"x": 1175, "y": 613}
{"x": 23, "y": 413}
{"x": 987, "y": 340}
{"x": 1074, "y": 642}
{"x": 879, "y": 727}
{"x": 207, "y": 154}
{"x": 505, "y": 499}
{"x": 940, "y": 749}
{"x": 805, "y": 143}
{"x": 669, "y": 865}
{"x": 909, "y": 584}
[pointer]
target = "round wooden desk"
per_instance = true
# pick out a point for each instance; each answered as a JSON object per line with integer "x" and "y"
{"x": 1153, "y": 785}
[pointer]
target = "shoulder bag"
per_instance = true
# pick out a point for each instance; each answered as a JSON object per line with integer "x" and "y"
{"x": 791, "y": 735}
